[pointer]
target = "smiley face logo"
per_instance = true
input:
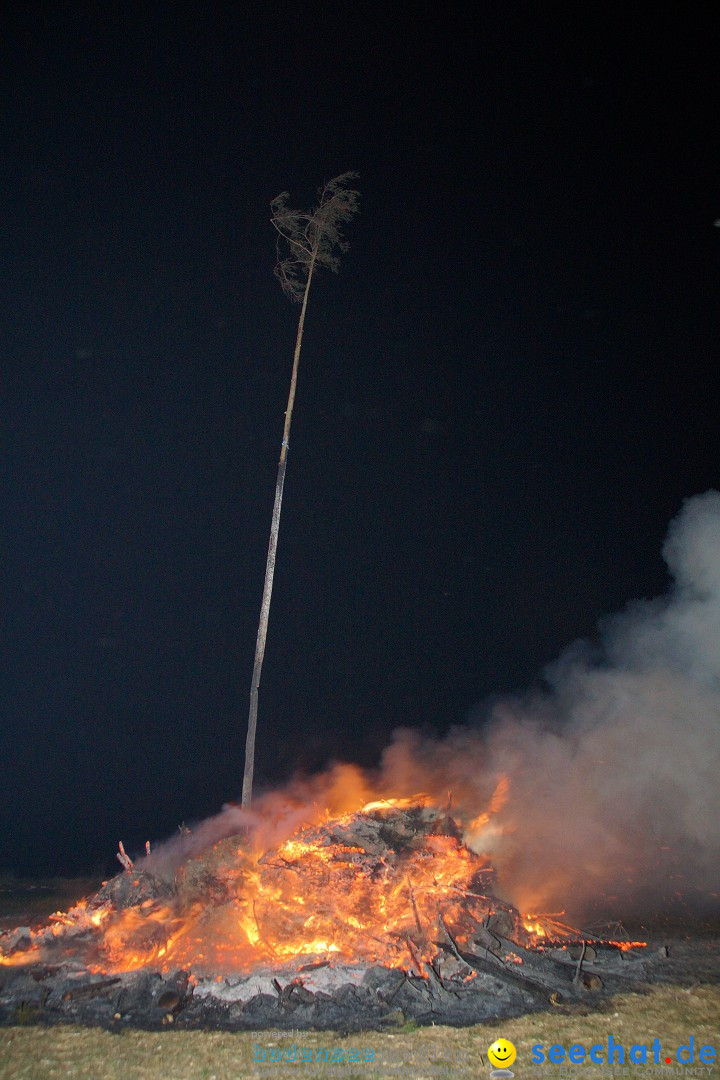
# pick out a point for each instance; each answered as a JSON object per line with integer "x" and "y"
{"x": 501, "y": 1054}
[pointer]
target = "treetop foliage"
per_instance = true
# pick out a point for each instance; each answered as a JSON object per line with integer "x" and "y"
{"x": 307, "y": 239}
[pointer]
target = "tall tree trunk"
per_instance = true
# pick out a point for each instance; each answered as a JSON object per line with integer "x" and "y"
{"x": 270, "y": 565}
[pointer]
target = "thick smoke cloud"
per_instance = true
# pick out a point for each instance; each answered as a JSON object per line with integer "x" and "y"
{"x": 614, "y": 794}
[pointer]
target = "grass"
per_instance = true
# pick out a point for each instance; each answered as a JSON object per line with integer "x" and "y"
{"x": 669, "y": 1013}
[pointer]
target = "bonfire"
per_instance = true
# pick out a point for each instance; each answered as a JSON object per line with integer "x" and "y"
{"x": 390, "y": 888}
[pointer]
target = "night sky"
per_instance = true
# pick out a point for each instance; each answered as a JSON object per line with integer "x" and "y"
{"x": 504, "y": 396}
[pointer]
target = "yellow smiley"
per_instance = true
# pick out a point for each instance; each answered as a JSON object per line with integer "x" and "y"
{"x": 501, "y": 1054}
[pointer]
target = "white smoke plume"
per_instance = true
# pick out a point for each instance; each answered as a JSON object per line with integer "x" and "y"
{"x": 614, "y": 771}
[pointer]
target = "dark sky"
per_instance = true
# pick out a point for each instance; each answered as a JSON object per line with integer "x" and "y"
{"x": 504, "y": 396}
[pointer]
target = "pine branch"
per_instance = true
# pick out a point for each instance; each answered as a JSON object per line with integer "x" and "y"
{"x": 308, "y": 238}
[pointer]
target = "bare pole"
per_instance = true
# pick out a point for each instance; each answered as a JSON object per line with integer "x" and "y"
{"x": 270, "y": 565}
{"x": 309, "y": 240}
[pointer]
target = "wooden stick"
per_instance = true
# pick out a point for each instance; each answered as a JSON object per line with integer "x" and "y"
{"x": 123, "y": 858}
{"x": 415, "y": 910}
{"x": 578, "y": 969}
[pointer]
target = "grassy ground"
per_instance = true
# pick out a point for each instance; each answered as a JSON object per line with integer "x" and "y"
{"x": 669, "y": 1013}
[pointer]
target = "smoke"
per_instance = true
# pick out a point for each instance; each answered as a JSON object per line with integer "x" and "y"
{"x": 614, "y": 769}
{"x": 273, "y": 818}
{"x": 612, "y": 799}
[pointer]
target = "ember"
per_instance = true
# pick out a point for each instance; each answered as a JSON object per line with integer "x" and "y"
{"x": 388, "y": 884}
{"x": 378, "y": 887}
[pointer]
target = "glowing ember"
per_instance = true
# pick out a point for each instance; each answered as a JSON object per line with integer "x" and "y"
{"x": 379, "y": 886}
{"x": 390, "y": 884}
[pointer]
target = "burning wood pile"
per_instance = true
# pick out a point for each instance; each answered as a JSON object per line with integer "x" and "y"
{"x": 382, "y": 913}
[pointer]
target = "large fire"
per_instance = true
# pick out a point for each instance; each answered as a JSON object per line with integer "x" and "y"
{"x": 385, "y": 884}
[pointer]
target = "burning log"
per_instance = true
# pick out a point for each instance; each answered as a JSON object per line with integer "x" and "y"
{"x": 90, "y": 989}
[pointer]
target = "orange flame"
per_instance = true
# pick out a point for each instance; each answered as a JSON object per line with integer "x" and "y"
{"x": 380, "y": 885}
